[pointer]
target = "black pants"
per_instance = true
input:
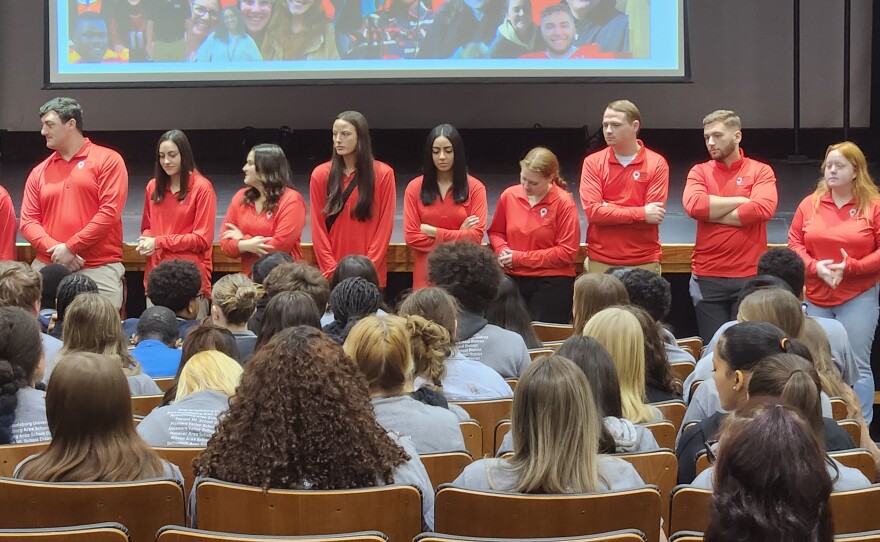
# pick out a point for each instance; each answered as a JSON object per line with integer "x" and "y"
{"x": 549, "y": 299}
{"x": 714, "y": 302}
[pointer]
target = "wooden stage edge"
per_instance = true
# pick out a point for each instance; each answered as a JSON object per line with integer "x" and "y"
{"x": 676, "y": 257}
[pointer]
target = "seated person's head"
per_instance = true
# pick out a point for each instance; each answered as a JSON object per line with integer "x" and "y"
{"x": 234, "y": 300}
{"x": 266, "y": 263}
{"x": 468, "y": 271}
{"x": 594, "y": 292}
{"x": 206, "y": 336}
{"x": 95, "y": 441}
{"x": 510, "y": 312}
{"x": 90, "y": 38}
{"x": 208, "y": 371}
{"x": 52, "y": 275}
{"x": 288, "y": 309}
{"x": 774, "y": 305}
{"x": 303, "y": 404}
{"x": 176, "y": 284}
{"x": 69, "y": 288}
{"x": 380, "y": 347}
{"x": 352, "y": 299}
{"x": 299, "y": 277}
{"x": 434, "y": 304}
{"x": 21, "y": 362}
{"x": 784, "y": 263}
{"x": 558, "y": 29}
{"x": 657, "y": 372}
{"x": 92, "y": 325}
{"x": 759, "y": 282}
{"x": 354, "y": 265}
{"x": 649, "y": 291}
{"x": 158, "y": 324}
{"x": 20, "y": 286}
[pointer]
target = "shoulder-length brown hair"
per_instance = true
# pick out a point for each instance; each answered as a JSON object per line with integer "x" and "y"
{"x": 302, "y": 418}
{"x": 91, "y": 324}
{"x": 273, "y": 170}
{"x": 594, "y": 292}
{"x": 88, "y": 406}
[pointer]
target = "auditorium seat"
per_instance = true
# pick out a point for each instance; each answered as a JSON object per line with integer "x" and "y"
{"x": 473, "y": 438}
{"x": 664, "y": 433}
{"x": 183, "y": 458}
{"x": 13, "y": 454}
{"x": 692, "y": 345}
{"x": 141, "y": 405}
{"x": 838, "y": 409}
{"x": 624, "y": 535}
{"x": 96, "y": 532}
{"x": 857, "y": 458}
{"x": 535, "y": 353}
{"x": 673, "y": 411}
{"x": 690, "y": 509}
{"x": 488, "y": 413}
{"x": 552, "y": 332}
{"x": 164, "y": 383}
{"x": 681, "y": 370}
{"x": 658, "y": 468}
{"x": 173, "y": 533}
{"x": 501, "y": 430}
{"x": 444, "y": 468}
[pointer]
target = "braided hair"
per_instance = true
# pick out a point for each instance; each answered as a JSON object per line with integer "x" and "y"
{"x": 351, "y": 300}
{"x": 20, "y": 351}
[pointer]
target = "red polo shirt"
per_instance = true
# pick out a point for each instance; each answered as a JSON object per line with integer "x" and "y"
{"x": 8, "y": 226}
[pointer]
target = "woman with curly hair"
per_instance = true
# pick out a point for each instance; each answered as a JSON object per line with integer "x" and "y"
{"x": 22, "y": 406}
{"x": 302, "y": 419}
{"x": 93, "y": 326}
{"x": 381, "y": 348}
{"x": 268, "y": 215}
{"x": 234, "y": 302}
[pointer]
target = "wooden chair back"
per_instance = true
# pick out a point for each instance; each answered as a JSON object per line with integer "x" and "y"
{"x": 444, "y": 468}
{"x": 681, "y": 370}
{"x": 690, "y": 509}
{"x": 183, "y": 458}
{"x": 672, "y": 411}
{"x": 234, "y": 508}
{"x": 501, "y": 431}
{"x": 553, "y": 345}
{"x": 13, "y": 454}
{"x": 97, "y": 532}
{"x": 552, "y": 332}
{"x": 858, "y": 458}
{"x": 852, "y": 428}
{"x": 664, "y": 433}
{"x": 141, "y": 405}
{"x": 694, "y": 386}
{"x": 535, "y": 353}
{"x": 624, "y": 535}
{"x": 511, "y": 515}
{"x": 658, "y": 468}
{"x": 488, "y": 413}
{"x": 512, "y": 382}
{"x": 702, "y": 462}
{"x": 164, "y": 383}
{"x": 686, "y": 536}
{"x": 693, "y": 345}
{"x": 184, "y": 534}
{"x": 856, "y": 511}
{"x": 838, "y": 409}
{"x": 143, "y": 507}
{"x": 473, "y": 438}
{"x": 873, "y": 536}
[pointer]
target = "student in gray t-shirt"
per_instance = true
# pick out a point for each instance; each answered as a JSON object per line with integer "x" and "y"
{"x": 206, "y": 383}
{"x": 21, "y": 366}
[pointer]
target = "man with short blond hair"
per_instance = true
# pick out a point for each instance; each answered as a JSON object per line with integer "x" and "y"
{"x": 623, "y": 190}
{"x": 732, "y": 198}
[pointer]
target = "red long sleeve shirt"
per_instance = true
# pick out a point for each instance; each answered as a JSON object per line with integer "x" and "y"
{"x": 820, "y": 234}
{"x": 8, "y": 226}
{"x": 544, "y": 238}
{"x": 445, "y": 215}
{"x": 182, "y": 229}
{"x": 348, "y": 235}
{"x": 284, "y": 226}
{"x": 614, "y": 198}
{"x": 730, "y": 251}
{"x": 78, "y": 202}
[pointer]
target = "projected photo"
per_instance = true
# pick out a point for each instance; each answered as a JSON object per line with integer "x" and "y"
{"x": 143, "y": 41}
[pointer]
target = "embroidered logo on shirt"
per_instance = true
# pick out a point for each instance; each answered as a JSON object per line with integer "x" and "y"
{"x": 636, "y": 175}
{"x": 543, "y": 212}
{"x": 81, "y": 164}
{"x": 739, "y": 180}
{"x": 852, "y": 212}
{"x": 269, "y": 214}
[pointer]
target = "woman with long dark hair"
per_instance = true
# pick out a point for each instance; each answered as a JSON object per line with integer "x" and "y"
{"x": 353, "y": 199}
{"x": 179, "y": 210}
{"x": 444, "y": 203}
{"x": 22, "y": 406}
{"x": 268, "y": 215}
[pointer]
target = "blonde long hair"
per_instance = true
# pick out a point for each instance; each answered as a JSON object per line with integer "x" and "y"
{"x": 91, "y": 324}
{"x": 555, "y": 429}
{"x": 209, "y": 370}
{"x": 865, "y": 191}
{"x": 621, "y": 334}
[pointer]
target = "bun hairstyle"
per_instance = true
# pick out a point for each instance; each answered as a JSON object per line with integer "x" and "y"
{"x": 236, "y": 296}
{"x": 431, "y": 345}
{"x": 542, "y": 160}
{"x": 20, "y": 351}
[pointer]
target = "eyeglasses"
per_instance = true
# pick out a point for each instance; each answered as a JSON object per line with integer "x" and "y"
{"x": 201, "y": 11}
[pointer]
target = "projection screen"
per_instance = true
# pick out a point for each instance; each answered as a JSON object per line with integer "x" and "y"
{"x": 110, "y": 43}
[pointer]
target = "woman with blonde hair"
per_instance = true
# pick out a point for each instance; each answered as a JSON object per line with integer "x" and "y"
{"x": 555, "y": 431}
{"x": 234, "y": 300}
{"x": 594, "y": 292}
{"x": 535, "y": 233}
{"x": 380, "y": 346}
{"x": 204, "y": 387}
{"x": 92, "y": 325}
{"x": 621, "y": 334}
{"x": 94, "y": 441}
{"x": 836, "y": 231}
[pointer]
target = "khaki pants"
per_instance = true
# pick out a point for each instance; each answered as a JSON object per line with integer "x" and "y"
{"x": 107, "y": 277}
{"x": 592, "y": 266}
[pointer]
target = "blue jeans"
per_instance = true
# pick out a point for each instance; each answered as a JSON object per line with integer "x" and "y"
{"x": 859, "y": 318}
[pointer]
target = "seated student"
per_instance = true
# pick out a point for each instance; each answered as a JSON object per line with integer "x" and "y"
{"x": 380, "y": 346}
{"x": 204, "y": 387}
{"x": 303, "y": 405}
{"x": 555, "y": 430}
{"x": 653, "y": 293}
{"x": 617, "y": 435}
{"x": 175, "y": 284}
{"x": 518, "y": 33}
{"x": 295, "y": 277}
{"x": 204, "y": 337}
{"x": 21, "y": 286}
{"x": 794, "y": 381}
{"x": 741, "y": 349}
{"x": 592, "y": 293}
{"x": 22, "y": 406}
{"x": 96, "y": 441}
{"x": 52, "y": 276}
{"x": 771, "y": 482}
{"x": 234, "y": 302}
{"x": 352, "y": 299}
{"x": 157, "y": 340}
{"x": 621, "y": 334}
{"x": 259, "y": 271}
{"x": 600, "y": 22}
{"x": 509, "y": 312}
{"x": 90, "y": 42}
{"x": 458, "y": 23}
{"x": 93, "y": 326}
{"x": 660, "y": 385}
{"x": 354, "y": 265}
{"x": 559, "y": 32}
{"x": 464, "y": 379}
{"x": 472, "y": 275}
{"x": 285, "y": 310}
{"x": 69, "y": 287}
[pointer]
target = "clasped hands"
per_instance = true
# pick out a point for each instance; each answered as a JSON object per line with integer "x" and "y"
{"x": 62, "y": 255}
{"x": 830, "y": 272}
